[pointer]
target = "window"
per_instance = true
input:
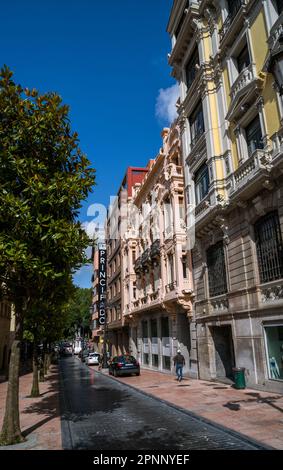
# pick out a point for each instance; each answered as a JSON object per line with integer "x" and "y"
{"x": 274, "y": 349}
{"x": 269, "y": 247}
{"x": 216, "y": 270}
{"x": 201, "y": 183}
{"x": 233, "y": 7}
{"x": 167, "y": 217}
{"x": 196, "y": 124}
{"x": 192, "y": 67}
{"x": 243, "y": 59}
{"x": 279, "y": 6}
{"x": 182, "y": 19}
{"x": 181, "y": 209}
{"x": 156, "y": 277}
{"x": 184, "y": 264}
{"x": 170, "y": 269}
{"x": 254, "y": 136}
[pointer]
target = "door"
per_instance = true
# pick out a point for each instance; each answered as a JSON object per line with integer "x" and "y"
{"x": 224, "y": 351}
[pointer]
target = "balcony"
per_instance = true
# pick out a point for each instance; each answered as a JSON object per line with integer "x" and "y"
{"x": 272, "y": 293}
{"x": 233, "y": 23}
{"x": 143, "y": 300}
{"x": 245, "y": 78}
{"x": 138, "y": 265}
{"x": 275, "y": 32}
{"x": 219, "y": 304}
{"x": 145, "y": 257}
{"x": 183, "y": 33}
{"x": 155, "y": 250}
{"x": 202, "y": 207}
{"x": 197, "y": 137}
{"x": 258, "y": 164}
{"x": 154, "y": 295}
{"x": 170, "y": 287}
{"x": 136, "y": 303}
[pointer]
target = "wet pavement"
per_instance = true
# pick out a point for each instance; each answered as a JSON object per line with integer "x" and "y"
{"x": 100, "y": 413}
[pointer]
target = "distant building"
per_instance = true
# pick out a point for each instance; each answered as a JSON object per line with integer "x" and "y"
{"x": 157, "y": 274}
{"x": 116, "y": 330}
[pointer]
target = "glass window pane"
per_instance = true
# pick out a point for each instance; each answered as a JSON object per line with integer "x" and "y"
{"x": 269, "y": 247}
{"x": 254, "y": 136}
{"x": 216, "y": 270}
{"x": 274, "y": 344}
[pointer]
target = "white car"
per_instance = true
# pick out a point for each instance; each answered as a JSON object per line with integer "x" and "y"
{"x": 92, "y": 359}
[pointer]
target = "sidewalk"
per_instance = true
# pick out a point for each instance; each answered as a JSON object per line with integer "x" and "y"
{"x": 39, "y": 417}
{"x": 256, "y": 414}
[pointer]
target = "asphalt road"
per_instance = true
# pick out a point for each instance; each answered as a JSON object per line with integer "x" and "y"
{"x": 99, "y": 413}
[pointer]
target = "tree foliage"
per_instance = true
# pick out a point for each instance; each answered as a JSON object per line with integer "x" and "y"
{"x": 44, "y": 176}
{"x": 78, "y": 311}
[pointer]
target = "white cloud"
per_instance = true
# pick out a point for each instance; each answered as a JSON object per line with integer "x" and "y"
{"x": 165, "y": 107}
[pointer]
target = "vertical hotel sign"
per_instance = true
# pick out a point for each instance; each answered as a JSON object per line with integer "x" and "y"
{"x": 101, "y": 284}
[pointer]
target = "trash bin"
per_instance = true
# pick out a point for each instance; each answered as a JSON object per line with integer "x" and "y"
{"x": 239, "y": 377}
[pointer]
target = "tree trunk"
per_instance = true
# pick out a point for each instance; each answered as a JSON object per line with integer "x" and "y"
{"x": 41, "y": 372}
{"x": 35, "y": 384}
{"x": 11, "y": 431}
{"x": 45, "y": 361}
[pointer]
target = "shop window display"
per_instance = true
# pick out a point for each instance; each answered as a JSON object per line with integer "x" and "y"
{"x": 274, "y": 346}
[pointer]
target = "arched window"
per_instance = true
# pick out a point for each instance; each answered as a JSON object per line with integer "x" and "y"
{"x": 269, "y": 247}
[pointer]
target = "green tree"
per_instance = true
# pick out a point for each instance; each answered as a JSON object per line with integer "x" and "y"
{"x": 44, "y": 176}
{"x": 78, "y": 309}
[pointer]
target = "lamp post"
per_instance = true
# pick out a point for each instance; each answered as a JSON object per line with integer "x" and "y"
{"x": 105, "y": 331}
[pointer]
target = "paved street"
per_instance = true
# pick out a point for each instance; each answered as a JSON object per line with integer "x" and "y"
{"x": 100, "y": 413}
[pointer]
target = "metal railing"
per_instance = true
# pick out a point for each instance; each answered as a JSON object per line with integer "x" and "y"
{"x": 237, "y": 4}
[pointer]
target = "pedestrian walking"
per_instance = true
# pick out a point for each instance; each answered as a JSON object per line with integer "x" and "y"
{"x": 179, "y": 362}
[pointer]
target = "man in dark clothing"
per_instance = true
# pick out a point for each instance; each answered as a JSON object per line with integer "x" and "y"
{"x": 179, "y": 362}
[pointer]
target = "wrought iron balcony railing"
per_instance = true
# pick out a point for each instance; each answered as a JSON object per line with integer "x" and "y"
{"x": 237, "y": 4}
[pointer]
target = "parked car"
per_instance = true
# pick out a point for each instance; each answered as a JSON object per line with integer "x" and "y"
{"x": 83, "y": 354}
{"x": 66, "y": 349}
{"x": 92, "y": 359}
{"x": 122, "y": 365}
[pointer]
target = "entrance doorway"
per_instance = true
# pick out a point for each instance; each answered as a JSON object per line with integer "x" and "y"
{"x": 224, "y": 351}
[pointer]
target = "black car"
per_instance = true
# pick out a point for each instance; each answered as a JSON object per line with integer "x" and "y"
{"x": 66, "y": 349}
{"x": 122, "y": 365}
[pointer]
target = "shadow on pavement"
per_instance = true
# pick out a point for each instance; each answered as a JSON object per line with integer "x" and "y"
{"x": 235, "y": 405}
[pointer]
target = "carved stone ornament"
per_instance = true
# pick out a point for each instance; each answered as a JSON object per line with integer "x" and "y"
{"x": 272, "y": 293}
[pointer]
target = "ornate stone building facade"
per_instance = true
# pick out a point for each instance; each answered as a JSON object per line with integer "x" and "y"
{"x": 117, "y": 332}
{"x": 157, "y": 274}
{"x": 231, "y": 126}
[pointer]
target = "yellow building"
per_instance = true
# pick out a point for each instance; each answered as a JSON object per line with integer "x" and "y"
{"x": 226, "y": 57}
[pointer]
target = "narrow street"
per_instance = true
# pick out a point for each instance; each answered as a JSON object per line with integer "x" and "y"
{"x": 100, "y": 413}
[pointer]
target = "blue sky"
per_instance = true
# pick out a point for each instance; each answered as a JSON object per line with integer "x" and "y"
{"x": 108, "y": 61}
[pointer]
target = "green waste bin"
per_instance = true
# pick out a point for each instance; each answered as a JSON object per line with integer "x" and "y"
{"x": 239, "y": 377}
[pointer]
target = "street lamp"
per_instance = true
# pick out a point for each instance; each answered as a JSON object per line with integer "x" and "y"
{"x": 105, "y": 329}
